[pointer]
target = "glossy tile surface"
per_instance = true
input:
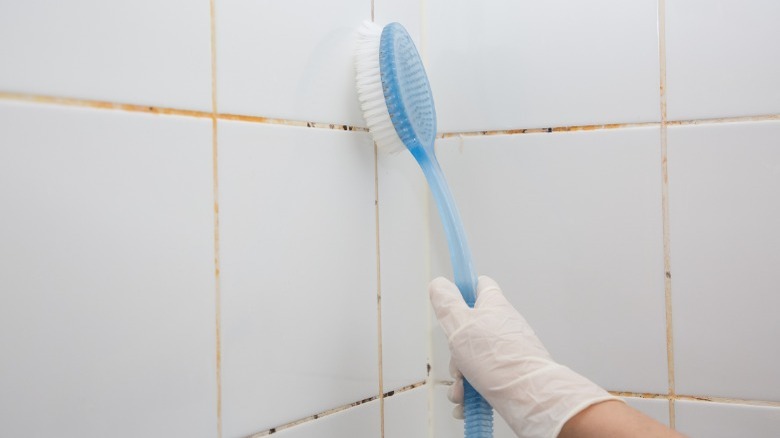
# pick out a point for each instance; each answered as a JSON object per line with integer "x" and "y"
{"x": 719, "y": 420}
{"x": 504, "y": 65}
{"x": 404, "y": 251}
{"x": 718, "y": 58}
{"x": 298, "y": 273}
{"x": 290, "y": 59}
{"x": 107, "y": 267}
{"x": 359, "y": 421}
{"x": 406, "y": 414}
{"x": 724, "y": 185}
{"x": 657, "y": 409}
{"x": 569, "y": 224}
{"x": 148, "y": 52}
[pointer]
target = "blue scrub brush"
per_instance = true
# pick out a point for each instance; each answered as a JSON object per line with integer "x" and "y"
{"x": 398, "y": 107}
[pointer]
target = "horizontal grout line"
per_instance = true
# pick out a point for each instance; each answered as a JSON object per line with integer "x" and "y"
{"x": 727, "y": 400}
{"x": 67, "y": 101}
{"x": 335, "y": 410}
{"x": 610, "y": 126}
{"x": 274, "y": 121}
{"x": 550, "y": 129}
{"x": 760, "y": 118}
{"x": 150, "y": 109}
{"x": 649, "y": 395}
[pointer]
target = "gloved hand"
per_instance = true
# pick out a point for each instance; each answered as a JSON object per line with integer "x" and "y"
{"x": 493, "y": 346}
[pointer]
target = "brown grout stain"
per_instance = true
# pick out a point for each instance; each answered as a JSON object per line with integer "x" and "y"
{"x": 97, "y": 104}
{"x": 322, "y": 414}
{"x": 552, "y": 129}
{"x": 215, "y": 191}
{"x": 665, "y": 210}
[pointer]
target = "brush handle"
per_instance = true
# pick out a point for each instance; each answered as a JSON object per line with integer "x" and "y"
{"x": 477, "y": 411}
{"x": 460, "y": 254}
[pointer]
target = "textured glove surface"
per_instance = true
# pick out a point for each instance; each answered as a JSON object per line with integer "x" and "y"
{"x": 493, "y": 346}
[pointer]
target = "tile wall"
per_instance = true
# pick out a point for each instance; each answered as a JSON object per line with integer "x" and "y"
{"x": 618, "y": 171}
{"x": 197, "y": 229}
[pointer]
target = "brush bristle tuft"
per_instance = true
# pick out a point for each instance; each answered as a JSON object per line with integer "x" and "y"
{"x": 369, "y": 88}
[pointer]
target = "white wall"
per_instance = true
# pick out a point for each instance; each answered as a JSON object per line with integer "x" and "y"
{"x": 198, "y": 238}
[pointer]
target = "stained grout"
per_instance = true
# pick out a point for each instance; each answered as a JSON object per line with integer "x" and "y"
{"x": 150, "y": 109}
{"x": 325, "y": 413}
{"x": 699, "y": 398}
{"x": 550, "y": 129}
{"x": 379, "y": 295}
{"x": 666, "y": 241}
{"x": 215, "y": 175}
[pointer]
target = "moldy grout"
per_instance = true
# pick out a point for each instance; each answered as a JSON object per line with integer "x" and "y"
{"x": 150, "y": 109}
{"x": 325, "y": 413}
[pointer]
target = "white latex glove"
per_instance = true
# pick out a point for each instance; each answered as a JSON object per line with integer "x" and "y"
{"x": 493, "y": 346}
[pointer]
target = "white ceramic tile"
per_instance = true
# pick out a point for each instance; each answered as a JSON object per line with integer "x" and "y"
{"x": 657, "y": 409}
{"x": 289, "y": 59}
{"x": 404, "y": 252}
{"x": 724, "y": 188}
{"x": 445, "y": 426}
{"x": 569, "y": 224}
{"x": 298, "y": 273}
{"x": 720, "y": 58}
{"x": 406, "y": 12}
{"x": 719, "y": 420}
{"x": 148, "y": 52}
{"x": 359, "y": 421}
{"x": 107, "y": 267}
{"x": 406, "y": 414}
{"x": 499, "y": 65}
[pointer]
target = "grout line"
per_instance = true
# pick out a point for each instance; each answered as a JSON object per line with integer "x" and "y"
{"x": 96, "y": 104}
{"x": 150, "y": 109}
{"x": 276, "y": 121}
{"x": 700, "y": 398}
{"x": 379, "y": 295}
{"x": 550, "y": 129}
{"x": 325, "y": 413}
{"x": 665, "y": 210}
{"x": 717, "y": 120}
{"x": 215, "y": 173}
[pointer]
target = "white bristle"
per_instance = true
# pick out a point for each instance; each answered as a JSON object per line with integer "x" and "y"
{"x": 369, "y": 88}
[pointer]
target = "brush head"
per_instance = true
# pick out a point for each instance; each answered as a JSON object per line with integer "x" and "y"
{"x": 393, "y": 89}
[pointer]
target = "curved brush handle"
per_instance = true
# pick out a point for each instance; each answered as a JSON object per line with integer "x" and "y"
{"x": 477, "y": 412}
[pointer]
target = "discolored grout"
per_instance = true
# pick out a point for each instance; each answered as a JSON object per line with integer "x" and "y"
{"x": 215, "y": 191}
{"x": 300, "y": 123}
{"x": 720, "y": 120}
{"x": 380, "y": 360}
{"x": 700, "y": 398}
{"x": 665, "y": 211}
{"x": 322, "y": 414}
{"x": 97, "y": 104}
{"x": 551, "y": 129}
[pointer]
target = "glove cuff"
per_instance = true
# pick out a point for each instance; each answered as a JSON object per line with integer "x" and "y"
{"x": 540, "y": 403}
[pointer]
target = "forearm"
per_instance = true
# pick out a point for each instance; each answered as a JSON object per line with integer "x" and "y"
{"x": 614, "y": 419}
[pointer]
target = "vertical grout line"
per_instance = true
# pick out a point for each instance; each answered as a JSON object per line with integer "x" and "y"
{"x": 429, "y": 244}
{"x": 379, "y": 295}
{"x": 372, "y": 11}
{"x": 665, "y": 211}
{"x": 215, "y": 167}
